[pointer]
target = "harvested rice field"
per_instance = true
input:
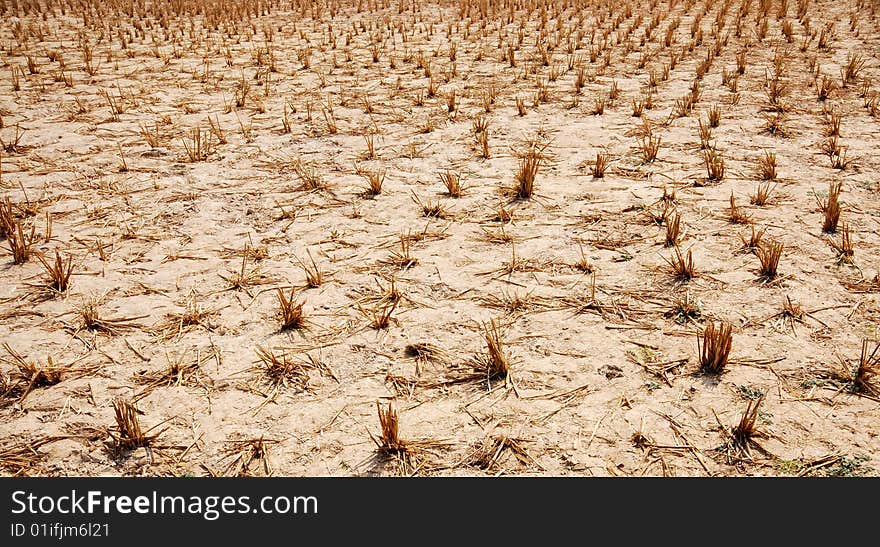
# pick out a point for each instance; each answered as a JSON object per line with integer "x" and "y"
{"x": 453, "y": 238}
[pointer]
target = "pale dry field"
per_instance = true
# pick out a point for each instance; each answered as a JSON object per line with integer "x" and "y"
{"x": 197, "y": 164}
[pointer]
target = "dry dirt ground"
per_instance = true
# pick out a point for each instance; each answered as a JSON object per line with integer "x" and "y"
{"x": 196, "y": 164}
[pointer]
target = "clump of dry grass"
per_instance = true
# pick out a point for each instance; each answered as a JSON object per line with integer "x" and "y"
{"x": 761, "y": 197}
{"x": 488, "y": 453}
{"x": 151, "y": 135}
{"x": 650, "y": 146}
{"x": 7, "y": 217}
{"x": 503, "y": 215}
{"x": 330, "y": 120}
{"x": 746, "y": 431}
{"x": 658, "y": 217}
{"x": 685, "y": 310}
{"x": 389, "y": 441}
{"x": 179, "y": 370}
{"x": 613, "y": 92}
{"x": 769, "y": 255}
{"x": 452, "y": 181}
{"x": 243, "y": 453}
{"x": 682, "y": 267}
{"x": 450, "y": 101}
{"x": 285, "y": 121}
{"x": 583, "y": 264}
{"x": 673, "y": 231}
{"x": 59, "y": 272}
{"x": 13, "y": 146}
{"x": 16, "y": 78}
{"x": 777, "y": 90}
{"x": 380, "y": 316}
{"x": 432, "y": 87}
{"x": 526, "y": 174}
{"x": 839, "y": 160}
{"x": 314, "y": 274}
{"x": 402, "y": 258}
{"x": 714, "y": 163}
{"x": 512, "y": 303}
{"x": 601, "y": 164}
{"x": 412, "y": 455}
{"x": 831, "y": 147}
{"x": 494, "y": 363}
{"x": 29, "y": 375}
{"x": 199, "y": 145}
{"x": 832, "y": 124}
{"x": 129, "y": 434}
{"x": 518, "y": 263}
{"x": 374, "y": 179}
{"x": 705, "y": 133}
{"x": 244, "y": 278}
{"x": 531, "y": 156}
{"x": 775, "y": 124}
{"x": 863, "y": 284}
{"x": 735, "y": 214}
{"x": 280, "y": 370}
{"x": 754, "y": 242}
{"x": 19, "y": 457}
{"x": 426, "y": 352}
{"x": 866, "y": 369}
{"x": 831, "y": 208}
{"x": 194, "y": 314}
{"x": 855, "y": 64}
{"x": 766, "y": 166}
{"x": 792, "y": 313}
{"x": 683, "y": 106}
{"x": 216, "y": 130}
{"x": 480, "y": 124}
{"x": 824, "y": 88}
{"x": 370, "y": 153}
{"x": 427, "y": 125}
{"x": 714, "y": 116}
{"x": 845, "y": 249}
{"x": 20, "y": 242}
{"x": 310, "y": 178}
{"x": 390, "y": 293}
{"x": 714, "y": 350}
{"x": 638, "y": 107}
{"x": 91, "y": 319}
{"x": 430, "y": 209}
{"x": 589, "y": 303}
{"x": 290, "y": 311}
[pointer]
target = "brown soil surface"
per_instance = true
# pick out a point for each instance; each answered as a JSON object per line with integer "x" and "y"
{"x": 194, "y": 160}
